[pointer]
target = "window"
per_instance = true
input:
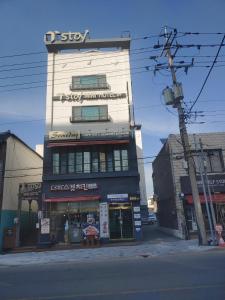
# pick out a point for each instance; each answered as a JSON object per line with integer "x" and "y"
{"x": 94, "y": 161}
{"x": 102, "y": 158}
{"x": 121, "y": 160}
{"x": 110, "y": 161}
{"x": 124, "y": 158}
{"x": 89, "y": 113}
{"x": 87, "y": 159}
{"x": 63, "y": 163}
{"x": 212, "y": 160}
{"x": 79, "y": 162}
{"x": 90, "y": 160}
{"x": 71, "y": 162}
{"x": 89, "y": 82}
{"x": 55, "y": 163}
{"x": 117, "y": 161}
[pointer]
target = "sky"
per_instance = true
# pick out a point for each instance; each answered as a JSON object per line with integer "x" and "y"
{"x": 23, "y": 77}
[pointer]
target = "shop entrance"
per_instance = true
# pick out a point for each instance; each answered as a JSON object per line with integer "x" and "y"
{"x": 67, "y": 220}
{"x": 120, "y": 222}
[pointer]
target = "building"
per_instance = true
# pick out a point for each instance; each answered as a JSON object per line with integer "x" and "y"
{"x": 152, "y": 204}
{"x": 93, "y": 183}
{"x": 172, "y": 186}
{"x": 19, "y": 165}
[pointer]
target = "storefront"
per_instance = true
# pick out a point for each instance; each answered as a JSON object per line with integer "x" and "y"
{"x": 76, "y": 210}
{"x": 217, "y": 187}
{"x": 68, "y": 219}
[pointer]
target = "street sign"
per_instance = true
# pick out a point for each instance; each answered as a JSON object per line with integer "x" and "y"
{"x": 30, "y": 191}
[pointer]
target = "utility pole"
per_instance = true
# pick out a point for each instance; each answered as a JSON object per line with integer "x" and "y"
{"x": 208, "y": 189}
{"x": 200, "y": 158}
{"x": 186, "y": 146}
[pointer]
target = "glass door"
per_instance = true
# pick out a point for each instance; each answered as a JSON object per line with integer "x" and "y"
{"x": 120, "y": 223}
{"x": 114, "y": 224}
{"x": 127, "y": 223}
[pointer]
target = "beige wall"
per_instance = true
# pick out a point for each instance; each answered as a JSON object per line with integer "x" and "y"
{"x": 19, "y": 163}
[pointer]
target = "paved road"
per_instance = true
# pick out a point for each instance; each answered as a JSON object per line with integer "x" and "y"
{"x": 152, "y": 234}
{"x": 192, "y": 277}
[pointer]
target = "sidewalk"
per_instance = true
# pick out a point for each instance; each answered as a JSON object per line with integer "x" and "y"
{"x": 146, "y": 249}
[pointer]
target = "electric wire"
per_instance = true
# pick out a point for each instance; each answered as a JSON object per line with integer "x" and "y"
{"x": 207, "y": 76}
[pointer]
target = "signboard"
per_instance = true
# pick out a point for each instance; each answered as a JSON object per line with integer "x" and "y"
{"x": 217, "y": 182}
{"x": 134, "y": 197}
{"x": 45, "y": 226}
{"x": 72, "y": 187}
{"x": 64, "y": 135}
{"x": 81, "y": 97}
{"x": 137, "y": 223}
{"x": 104, "y": 220}
{"x": 137, "y": 216}
{"x": 117, "y": 197}
{"x": 136, "y": 209}
{"x": 31, "y": 191}
{"x": 52, "y": 37}
{"x": 105, "y": 134}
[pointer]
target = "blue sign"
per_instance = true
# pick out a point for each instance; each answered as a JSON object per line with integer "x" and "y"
{"x": 117, "y": 198}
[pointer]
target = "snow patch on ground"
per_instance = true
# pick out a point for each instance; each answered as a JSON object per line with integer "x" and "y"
{"x": 103, "y": 253}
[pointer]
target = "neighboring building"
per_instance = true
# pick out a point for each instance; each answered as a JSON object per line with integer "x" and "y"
{"x": 91, "y": 172}
{"x": 172, "y": 186}
{"x": 152, "y": 204}
{"x": 18, "y": 164}
{"x": 40, "y": 149}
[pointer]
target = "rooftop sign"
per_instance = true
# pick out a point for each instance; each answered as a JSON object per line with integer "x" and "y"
{"x": 52, "y": 37}
{"x": 56, "y": 41}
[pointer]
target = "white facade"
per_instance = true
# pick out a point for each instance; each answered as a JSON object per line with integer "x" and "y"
{"x": 115, "y": 65}
{"x": 141, "y": 170}
{"x": 61, "y": 68}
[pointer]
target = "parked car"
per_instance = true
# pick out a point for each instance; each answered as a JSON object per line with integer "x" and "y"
{"x": 152, "y": 218}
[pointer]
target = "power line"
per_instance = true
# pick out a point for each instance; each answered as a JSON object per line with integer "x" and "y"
{"x": 41, "y": 86}
{"x": 63, "y": 117}
{"x": 90, "y": 57}
{"x": 204, "y": 83}
{"x": 201, "y": 33}
{"x": 147, "y": 67}
{"x": 144, "y": 37}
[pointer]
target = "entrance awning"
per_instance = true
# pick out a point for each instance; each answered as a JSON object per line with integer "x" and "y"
{"x": 216, "y": 198}
{"x": 74, "y": 199}
{"x": 86, "y": 143}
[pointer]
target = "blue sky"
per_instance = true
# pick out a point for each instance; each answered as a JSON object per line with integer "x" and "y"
{"x": 23, "y": 24}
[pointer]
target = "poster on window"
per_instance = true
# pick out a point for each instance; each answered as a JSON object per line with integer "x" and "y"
{"x": 45, "y": 226}
{"x": 104, "y": 220}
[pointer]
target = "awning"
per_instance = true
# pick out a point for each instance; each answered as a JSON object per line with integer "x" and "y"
{"x": 216, "y": 198}
{"x": 86, "y": 143}
{"x": 73, "y": 199}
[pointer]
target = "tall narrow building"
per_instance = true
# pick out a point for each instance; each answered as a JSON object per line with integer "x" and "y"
{"x": 91, "y": 179}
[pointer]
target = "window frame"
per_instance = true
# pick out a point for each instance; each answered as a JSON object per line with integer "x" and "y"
{"x": 104, "y": 160}
{"x": 82, "y": 118}
{"x": 98, "y": 86}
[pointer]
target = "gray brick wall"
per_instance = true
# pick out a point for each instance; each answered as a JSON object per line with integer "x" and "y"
{"x": 209, "y": 140}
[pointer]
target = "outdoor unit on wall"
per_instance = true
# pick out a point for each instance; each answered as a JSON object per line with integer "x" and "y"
{"x": 168, "y": 96}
